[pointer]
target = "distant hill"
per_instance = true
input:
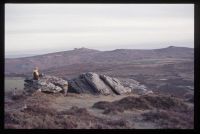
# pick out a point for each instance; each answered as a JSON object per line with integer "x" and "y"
{"x": 84, "y": 57}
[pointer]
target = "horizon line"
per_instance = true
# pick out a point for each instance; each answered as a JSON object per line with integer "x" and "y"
{"x": 26, "y": 55}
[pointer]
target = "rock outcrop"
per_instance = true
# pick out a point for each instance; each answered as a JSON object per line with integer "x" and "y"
{"x": 46, "y": 83}
{"x": 115, "y": 85}
{"x": 97, "y": 84}
{"x": 89, "y": 82}
{"x": 135, "y": 86}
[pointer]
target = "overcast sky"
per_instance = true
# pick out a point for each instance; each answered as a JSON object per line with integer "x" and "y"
{"x": 41, "y": 28}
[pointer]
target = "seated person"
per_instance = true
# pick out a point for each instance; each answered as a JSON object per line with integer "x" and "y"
{"x": 36, "y": 74}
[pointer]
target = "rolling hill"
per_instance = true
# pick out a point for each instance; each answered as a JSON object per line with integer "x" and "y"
{"x": 88, "y": 59}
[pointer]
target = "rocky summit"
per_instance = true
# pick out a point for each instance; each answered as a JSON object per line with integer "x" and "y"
{"x": 90, "y": 82}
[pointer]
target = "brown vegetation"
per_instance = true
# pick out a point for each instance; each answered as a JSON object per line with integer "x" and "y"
{"x": 164, "y": 111}
{"x": 143, "y": 102}
{"x": 155, "y": 110}
{"x": 39, "y": 115}
{"x": 171, "y": 119}
{"x": 45, "y": 118}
